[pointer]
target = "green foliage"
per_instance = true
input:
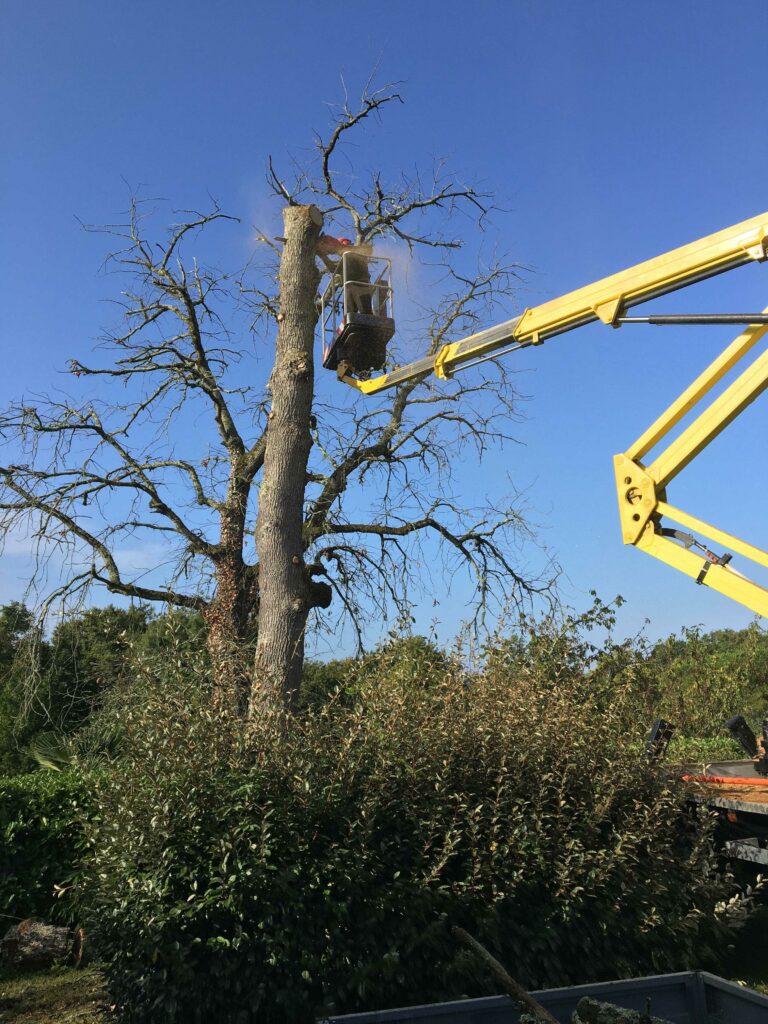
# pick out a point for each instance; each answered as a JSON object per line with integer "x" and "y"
{"x": 696, "y": 680}
{"x": 87, "y": 656}
{"x": 316, "y": 868}
{"x": 701, "y": 679}
{"x": 698, "y": 750}
{"x": 58, "y": 697}
{"x": 174, "y": 642}
{"x": 15, "y": 623}
{"x": 53, "y": 687}
{"x": 16, "y": 632}
{"x": 557, "y": 646}
{"x": 322, "y": 681}
{"x": 170, "y": 653}
{"x": 40, "y": 835}
{"x": 410, "y": 660}
{"x": 406, "y": 660}
{"x": 52, "y": 752}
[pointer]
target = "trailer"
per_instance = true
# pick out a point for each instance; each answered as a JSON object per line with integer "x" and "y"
{"x": 740, "y": 800}
{"x": 690, "y": 997}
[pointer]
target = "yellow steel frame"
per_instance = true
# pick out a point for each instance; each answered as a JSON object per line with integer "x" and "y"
{"x": 641, "y": 488}
{"x": 604, "y": 300}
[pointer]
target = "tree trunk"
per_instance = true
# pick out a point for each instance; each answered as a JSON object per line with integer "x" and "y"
{"x": 227, "y": 620}
{"x": 227, "y": 616}
{"x": 285, "y": 593}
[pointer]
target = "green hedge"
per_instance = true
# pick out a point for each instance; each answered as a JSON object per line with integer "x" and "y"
{"x": 318, "y": 867}
{"x": 40, "y": 838}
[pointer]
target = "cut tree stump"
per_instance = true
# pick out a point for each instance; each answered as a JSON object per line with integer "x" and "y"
{"x": 34, "y": 944}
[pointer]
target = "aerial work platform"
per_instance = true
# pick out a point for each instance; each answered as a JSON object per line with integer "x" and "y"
{"x": 641, "y": 484}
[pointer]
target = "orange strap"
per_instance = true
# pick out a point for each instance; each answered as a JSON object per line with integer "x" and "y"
{"x": 727, "y": 780}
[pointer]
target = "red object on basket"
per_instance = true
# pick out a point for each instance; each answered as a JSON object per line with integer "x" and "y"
{"x": 327, "y": 244}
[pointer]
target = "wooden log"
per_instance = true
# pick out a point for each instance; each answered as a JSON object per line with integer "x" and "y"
{"x": 590, "y": 1011}
{"x": 520, "y": 997}
{"x": 34, "y": 944}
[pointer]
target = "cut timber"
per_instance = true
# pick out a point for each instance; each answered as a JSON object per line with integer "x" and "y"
{"x": 522, "y": 999}
{"x": 590, "y": 1011}
{"x": 34, "y": 944}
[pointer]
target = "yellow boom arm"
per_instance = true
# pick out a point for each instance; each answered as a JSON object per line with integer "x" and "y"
{"x": 641, "y": 487}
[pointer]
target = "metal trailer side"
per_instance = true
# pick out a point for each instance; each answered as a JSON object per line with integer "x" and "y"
{"x": 690, "y": 997}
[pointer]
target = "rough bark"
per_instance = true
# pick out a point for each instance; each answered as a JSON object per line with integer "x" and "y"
{"x": 227, "y": 616}
{"x": 226, "y": 619}
{"x": 285, "y": 588}
{"x": 590, "y": 1011}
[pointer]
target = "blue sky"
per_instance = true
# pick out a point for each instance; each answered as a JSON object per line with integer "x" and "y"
{"x": 609, "y": 131}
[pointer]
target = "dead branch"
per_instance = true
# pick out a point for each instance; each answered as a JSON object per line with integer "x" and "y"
{"x": 522, "y": 999}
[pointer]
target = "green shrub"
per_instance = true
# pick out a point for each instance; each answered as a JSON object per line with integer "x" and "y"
{"x": 410, "y": 660}
{"x": 87, "y": 656}
{"x": 317, "y": 868}
{"x": 694, "y": 749}
{"x": 323, "y": 681}
{"x": 407, "y": 660}
{"x": 695, "y": 680}
{"x": 702, "y": 679}
{"x": 63, "y": 690}
{"x": 17, "y": 634}
{"x": 40, "y": 837}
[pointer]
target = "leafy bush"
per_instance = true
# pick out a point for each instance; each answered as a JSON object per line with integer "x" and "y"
{"x": 324, "y": 681}
{"x": 16, "y": 632}
{"x": 87, "y": 655}
{"x": 410, "y": 660}
{"x": 318, "y": 866}
{"x": 174, "y": 642}
{"x": 62, "y": 691}
{"x": 40, "y": 837}
{"x": 702, "y": 679}
{"x": 695, "y": 680}
{"x": 407, "y": 660}
{"x": 693, "y": 749}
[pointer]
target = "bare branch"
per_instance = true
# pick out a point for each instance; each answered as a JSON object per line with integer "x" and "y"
{"x": 173, "y": 451}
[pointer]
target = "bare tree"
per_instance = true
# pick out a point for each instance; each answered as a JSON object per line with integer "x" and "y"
{"x": 178, "y": 447}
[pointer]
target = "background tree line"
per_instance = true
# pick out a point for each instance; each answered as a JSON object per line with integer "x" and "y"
{"x": 62, "y": 685}
{"x": 69, "y": 683}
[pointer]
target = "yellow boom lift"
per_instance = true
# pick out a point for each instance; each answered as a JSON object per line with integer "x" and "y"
{"x": 641, "y": 485}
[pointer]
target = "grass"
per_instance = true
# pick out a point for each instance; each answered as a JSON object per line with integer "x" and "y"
{"x": 59, "y": 996}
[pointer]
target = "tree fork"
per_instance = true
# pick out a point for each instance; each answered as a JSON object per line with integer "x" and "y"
{"x": 285, "y": 592}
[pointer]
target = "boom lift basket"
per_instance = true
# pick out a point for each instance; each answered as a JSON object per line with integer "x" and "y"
{"x": 356, "y": 314}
